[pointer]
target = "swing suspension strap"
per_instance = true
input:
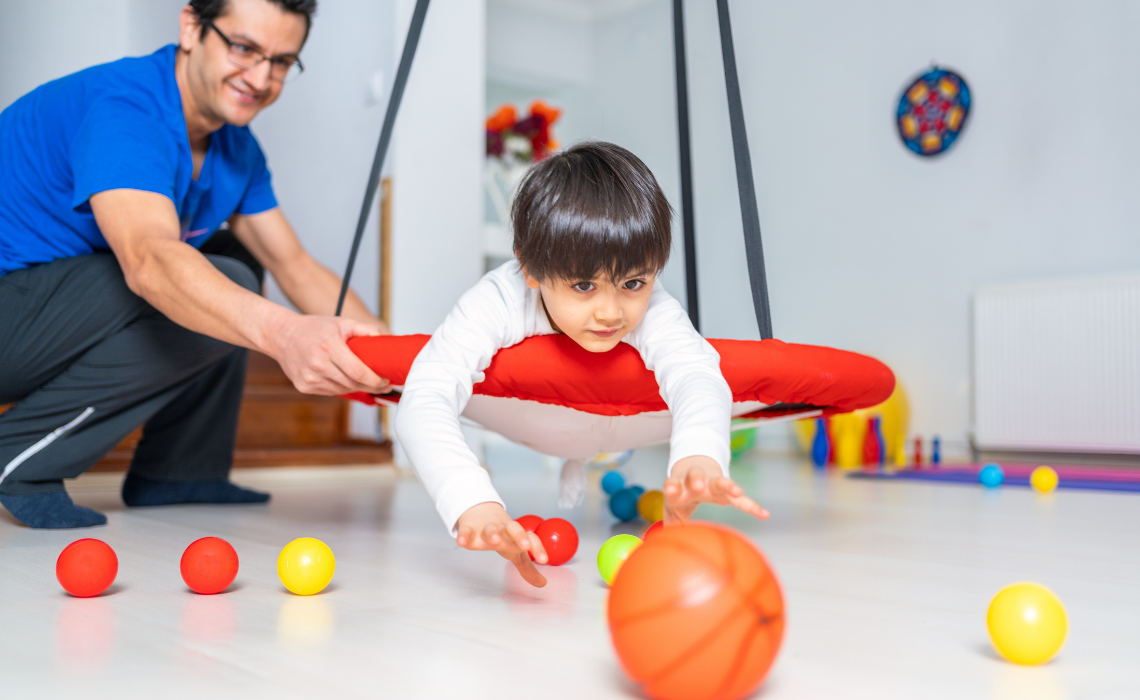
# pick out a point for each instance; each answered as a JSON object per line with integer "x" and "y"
{"x": 749, "y": 212}
{"x": 687, "y": 219}
{"x": 394, "y": 98}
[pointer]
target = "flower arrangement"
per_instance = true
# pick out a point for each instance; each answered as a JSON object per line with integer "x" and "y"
{"x": 525, "y": 140}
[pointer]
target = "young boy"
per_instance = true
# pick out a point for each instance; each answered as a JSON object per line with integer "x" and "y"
{"x": 591, "y": 233}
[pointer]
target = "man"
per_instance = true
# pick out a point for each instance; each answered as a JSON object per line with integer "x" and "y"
{"x": 111, "y": 180}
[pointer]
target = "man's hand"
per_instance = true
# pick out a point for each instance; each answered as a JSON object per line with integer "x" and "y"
{"x": 313, "y": 352}
{"x": 487, "y": 526}
{"x": 696, "y": 480}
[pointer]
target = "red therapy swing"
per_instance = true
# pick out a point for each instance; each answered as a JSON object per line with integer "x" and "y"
{"x": 550, "y": 394}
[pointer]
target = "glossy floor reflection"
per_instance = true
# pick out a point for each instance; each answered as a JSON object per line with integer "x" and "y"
{"x": 886, "y": 585}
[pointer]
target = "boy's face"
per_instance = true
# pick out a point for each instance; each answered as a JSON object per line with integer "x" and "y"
{"x": 595, "y": 313}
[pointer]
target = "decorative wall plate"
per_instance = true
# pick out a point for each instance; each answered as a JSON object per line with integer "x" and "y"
{"x": 932, "y": 111}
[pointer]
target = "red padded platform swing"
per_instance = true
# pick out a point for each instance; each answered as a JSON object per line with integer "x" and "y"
{"x": 550, "y": 394}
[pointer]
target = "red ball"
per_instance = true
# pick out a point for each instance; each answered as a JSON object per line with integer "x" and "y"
{"x": 209, "y": 565}
{"x": 530, "y": 523}
{"x": 560, "y": 540}
{"x": 86, "y": 567}
{"x": 696, "y": 612}
{"x": 653, "y": 529}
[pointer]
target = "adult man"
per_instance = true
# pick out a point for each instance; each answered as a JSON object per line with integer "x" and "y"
{"x": 110, "y": 317}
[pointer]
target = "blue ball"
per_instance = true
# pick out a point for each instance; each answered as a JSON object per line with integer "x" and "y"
{"x": 637, "y": 490}
{"x": 613, "y": 482}
{"x": 623, "y": 505}
{"x": 991, "y": 475}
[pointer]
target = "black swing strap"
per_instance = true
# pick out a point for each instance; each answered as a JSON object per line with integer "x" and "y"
{"x": 394, "y": 98}
{"x": 749, "y": 212}
{"x": 687, "y": 217}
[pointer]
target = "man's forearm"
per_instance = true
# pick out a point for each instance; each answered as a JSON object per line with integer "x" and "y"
{"x": 182, "y": 284}
{"x": 314, "y": 289}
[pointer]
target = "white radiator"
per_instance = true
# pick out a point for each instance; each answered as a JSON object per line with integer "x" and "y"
{"x": 1057, "y": 365}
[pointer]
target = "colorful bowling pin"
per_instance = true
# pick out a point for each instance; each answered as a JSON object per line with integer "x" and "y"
{"x": 918, "y": 452}
{"x": 935, "y": 451}
{"x": 820, "y": 446}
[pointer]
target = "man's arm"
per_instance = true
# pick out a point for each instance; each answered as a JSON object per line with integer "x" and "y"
{"x": 142, "y": 230}
{"x": 311, "y": 287}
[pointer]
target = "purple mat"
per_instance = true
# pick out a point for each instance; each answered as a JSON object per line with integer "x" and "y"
{"x": 1071, "y": 477}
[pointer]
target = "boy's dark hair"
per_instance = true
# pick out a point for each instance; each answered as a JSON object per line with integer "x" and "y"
{"x": 210, "y": 10}
{"x": 592, "y": 208}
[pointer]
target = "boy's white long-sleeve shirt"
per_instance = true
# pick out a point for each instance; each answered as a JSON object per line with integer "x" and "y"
{"x": 501, "y": 311}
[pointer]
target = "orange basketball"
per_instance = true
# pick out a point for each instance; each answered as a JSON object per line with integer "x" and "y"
{"x": 696, "y": 613}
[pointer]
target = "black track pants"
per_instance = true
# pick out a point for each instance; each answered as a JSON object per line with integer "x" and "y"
{"x": 86, "y": 361}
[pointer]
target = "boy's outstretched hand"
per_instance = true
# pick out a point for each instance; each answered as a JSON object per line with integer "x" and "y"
{"x": 487, "y": 526}
{"x": 696, "y": 480}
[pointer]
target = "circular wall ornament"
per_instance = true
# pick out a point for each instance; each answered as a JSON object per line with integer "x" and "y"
{"x": 932, "y": 111}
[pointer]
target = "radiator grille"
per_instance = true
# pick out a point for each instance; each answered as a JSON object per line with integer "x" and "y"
{"x": 1057, "y": 365}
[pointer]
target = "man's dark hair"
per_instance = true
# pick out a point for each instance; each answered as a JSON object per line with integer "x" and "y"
{"x": 592, "y": 208}
{"x": 210, "y": 10}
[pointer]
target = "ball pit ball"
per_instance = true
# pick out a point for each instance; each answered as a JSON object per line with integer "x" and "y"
{"x": 529, "y": 523}
{"x": 991, "y": 476}
{"x": 209, "y": 565}
{"x": 696, "y": 612}
{"x": 1027, "y": 623}
{"x": 560, "y": 540}
{"x": 614, "y": 553}
{"x": 85, "y": 568}
{"x": 1044, "y": 479}
{"x": 613, "y": 482}
{"x": 653, "y": 529}
{"x": 623, "y": 505}
{"x": 637, "y": 490}
{"x": 651, "y": 506}
{"x": 306, "y": 565}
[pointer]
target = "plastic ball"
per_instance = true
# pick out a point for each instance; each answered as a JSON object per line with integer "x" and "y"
{"x": 560, "y": 540}
{"x": 651, "y": 506}
{"x": 209, "y": 565}
{"x": 991, "y": 476}
{"x": 529, "y": 523}
{"x": 741, "y": 441}
{"x": 623, "y": 505}
{"x": 653, "y": 529}
{"x": 696, "y": 612}
{"x": 85, "y": 568}
{"x": 1044, "y": 479}
{"x": 614, "y": 553}
{"x": 613, "y": 482}
{"x": 637, "y": 490}
{"x": 1027, "y": 623}
{"x": 306, "y": 565}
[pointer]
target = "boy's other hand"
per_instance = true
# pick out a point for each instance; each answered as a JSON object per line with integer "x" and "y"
{"x": 487, "y": 526}
{"x": 696, "y": 480}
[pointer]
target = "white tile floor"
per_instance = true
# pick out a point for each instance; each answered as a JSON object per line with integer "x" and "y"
{"x": 886, "y": 583}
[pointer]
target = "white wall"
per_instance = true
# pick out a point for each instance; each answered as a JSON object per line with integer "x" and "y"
{"x": 42, "y": 40}
{"x": 869, "y": 247}
{"x": 437, "y": 165}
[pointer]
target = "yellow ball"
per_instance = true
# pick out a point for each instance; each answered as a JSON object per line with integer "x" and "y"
{"x": 1044, "y": 479}
{"x": 1027, "y": 623}
{"x": 651, "y": 505}
{"x": 306, "y": 566}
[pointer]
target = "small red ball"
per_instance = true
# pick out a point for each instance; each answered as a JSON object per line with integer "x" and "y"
{"x": 654, "y": 529}
{"x": 530, "y": 523}
{"x": 86, "y": 567}
{"x": 560, "y": 540}
{"x": 209, "y": 565}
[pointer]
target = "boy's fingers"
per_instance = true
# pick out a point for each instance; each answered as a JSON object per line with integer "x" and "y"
{"x": 466, "y": 537}
{"x": 491, "y": 535}
{"x": 517, "y": 534}
{"x": 537, "y": 548}
{"x": 749, "y": 506}
{"x": 528, "y": 570}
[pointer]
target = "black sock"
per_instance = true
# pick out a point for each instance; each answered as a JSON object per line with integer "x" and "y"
{"x": 50, "y": 510}
{"x": 140, "y": 491}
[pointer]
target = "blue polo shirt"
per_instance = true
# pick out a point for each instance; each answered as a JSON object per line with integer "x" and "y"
{"x": 114, "y": 126}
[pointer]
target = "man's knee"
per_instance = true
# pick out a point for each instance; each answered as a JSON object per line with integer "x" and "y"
{"x": 237, "y": 272}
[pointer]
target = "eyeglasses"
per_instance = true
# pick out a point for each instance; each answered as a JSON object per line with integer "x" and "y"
{"x": 281, "y": 68}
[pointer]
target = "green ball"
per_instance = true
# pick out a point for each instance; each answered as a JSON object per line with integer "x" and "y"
{"x": 614, "y": 553}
